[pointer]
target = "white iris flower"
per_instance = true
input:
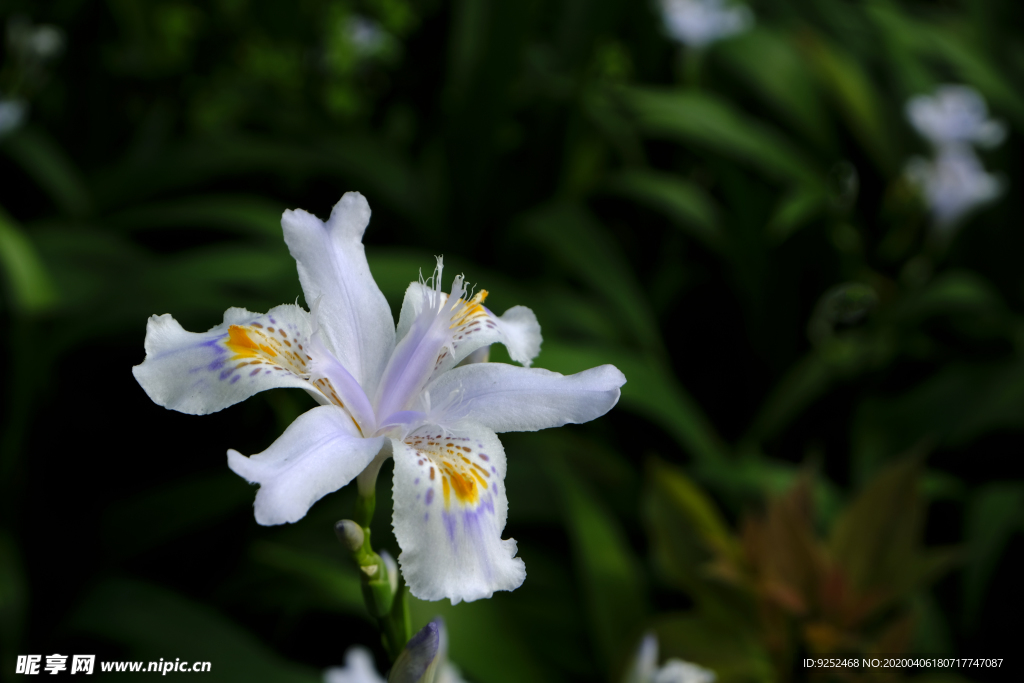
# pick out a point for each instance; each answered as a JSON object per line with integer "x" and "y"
{"x": 698, "y": 23}
{"x": 383, "y": 392}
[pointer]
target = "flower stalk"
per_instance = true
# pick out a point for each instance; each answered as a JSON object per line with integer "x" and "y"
{"x": 383, "y": 590}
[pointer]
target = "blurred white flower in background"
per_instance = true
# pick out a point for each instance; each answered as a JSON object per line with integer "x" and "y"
{"x": 954, "y": 114}
{"x": 698, "y": 23}
{"x": 12, "y": 114}
{"x": 953, "y": 183}
{"x": 40, "y": 42}
{"x": 645, "y": 669}
{"x": 365, "y": 35}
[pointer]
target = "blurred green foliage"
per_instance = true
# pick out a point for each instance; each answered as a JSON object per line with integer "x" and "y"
{"x": 730, "y": 228}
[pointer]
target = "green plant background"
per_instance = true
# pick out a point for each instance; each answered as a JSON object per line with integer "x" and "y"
{"x": 731, "y": 229}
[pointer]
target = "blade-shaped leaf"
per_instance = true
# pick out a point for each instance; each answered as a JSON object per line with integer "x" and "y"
{"x": 153, "y": 622}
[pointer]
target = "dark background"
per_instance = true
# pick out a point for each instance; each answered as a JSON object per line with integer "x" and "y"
{"x": 679, "y": 214}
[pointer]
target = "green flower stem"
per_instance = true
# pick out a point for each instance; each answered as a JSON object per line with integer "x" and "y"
{"x": 384, "y": 595}
{"x": 396, "y": 626}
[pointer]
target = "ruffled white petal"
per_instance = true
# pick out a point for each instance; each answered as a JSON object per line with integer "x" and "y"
{"x": 450, "y": 511}
{"x": 359, "y": 668}
{"x": 200, "y": 373}
{"x": 474, "y": 326}
{"x": 354, "y": 315}
{"x": 319, "y": 453}
{"x": 507, "y": 398}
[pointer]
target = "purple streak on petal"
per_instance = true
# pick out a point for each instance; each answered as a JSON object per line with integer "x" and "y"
{"x": 449, "y": 525}
{"x": 234, "y": 379}
{"x": 430, "y": 496}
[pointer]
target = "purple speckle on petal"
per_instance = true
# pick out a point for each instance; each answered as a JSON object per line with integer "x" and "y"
{"x": 234, "y": 379}
{"x": 254, "y": 372}
{"x": 493, "y": 469}
{"x": 217, "y": 364}
{"x": 430, "y": 496}
{"x": 426, "y": 516}
{"x": 224, "y": 373}
{"x": 416, "y": 481}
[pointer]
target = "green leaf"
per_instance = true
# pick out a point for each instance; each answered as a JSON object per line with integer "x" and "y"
{"x": 153, "y": 622}
{"x": 692, "y": 117}
{"x": 483, "y": 642}
{"x": 249, "y": 216}
{"x": 611, "y": 575}
{"x": 795, "y": 210}
{"x": 834, "y": 359}
{"x": 687, "y": 535}
{"x": 877, "y": 539}
{"x": 46, "y": 163}
{"x": 171, "y": 512}
{"x": 770, "y": 64}
{"x": 583, "y": 245}
{"x": 951, "y": 407}
{"x": 686, "y": 203}
{"x": 855, "y": 97}
{"x": 735, "y": 655}
{"x": 336, "y": 583}
{"x": 31, "y": 288}
{"x": 651, "y": 391}
{"x": 994, "y": 513}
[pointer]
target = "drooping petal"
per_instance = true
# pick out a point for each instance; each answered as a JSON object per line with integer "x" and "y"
{"x": 507, "y": 398}
{"x": 450, "y": 511}
{"x": 474, "y": 326}
{"x": 359, "y": 668}
{"x": 320, "y": 452}
{"x": 356, "y": 319}
{"x": 200, "y": 373}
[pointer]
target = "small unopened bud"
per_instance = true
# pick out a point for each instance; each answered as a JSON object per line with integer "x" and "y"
{"x": 423, "y": 657}
{"x": 349, "y": 534}
{"x": 370, "y": 570}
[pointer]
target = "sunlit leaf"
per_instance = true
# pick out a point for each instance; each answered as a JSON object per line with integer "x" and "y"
{"x": 30, "y": 285}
